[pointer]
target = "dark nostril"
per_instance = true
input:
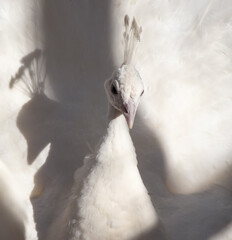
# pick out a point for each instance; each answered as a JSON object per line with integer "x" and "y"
{"x": 125, "y": 108}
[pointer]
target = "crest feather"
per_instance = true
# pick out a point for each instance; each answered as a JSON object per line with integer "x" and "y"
{"x": 131, "y": 37}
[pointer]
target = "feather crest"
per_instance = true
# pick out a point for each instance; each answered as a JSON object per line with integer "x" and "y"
{"x": 131, "y": 38}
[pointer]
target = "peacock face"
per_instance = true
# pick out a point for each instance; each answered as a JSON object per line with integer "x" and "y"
{"x": 124, "y": 90}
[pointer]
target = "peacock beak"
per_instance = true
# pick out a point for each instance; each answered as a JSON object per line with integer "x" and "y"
{"x": 129, "y": 111}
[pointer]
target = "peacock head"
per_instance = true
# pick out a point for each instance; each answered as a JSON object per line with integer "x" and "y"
{"x": 124, "y": 90}
{"x": 125, "y": 87}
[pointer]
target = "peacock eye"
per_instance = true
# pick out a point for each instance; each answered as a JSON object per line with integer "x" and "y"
{"x": 142, "y": 93}
{"x": 114, "y": 90}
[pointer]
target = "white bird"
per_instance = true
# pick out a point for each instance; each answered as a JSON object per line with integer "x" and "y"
{"x": 109, "y": 199}
{"x": 183, "y": 129}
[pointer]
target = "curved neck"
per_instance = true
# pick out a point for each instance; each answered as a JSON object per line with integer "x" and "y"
{"x": 113, "y": 113}
{"x": 117, "y": 140}
{"x": 116, "y": 120}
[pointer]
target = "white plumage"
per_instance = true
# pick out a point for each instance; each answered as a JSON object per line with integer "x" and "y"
{"x": 109, "y": 199}
{"x": 17, "y": 221}
{"x": 185, "y": 61}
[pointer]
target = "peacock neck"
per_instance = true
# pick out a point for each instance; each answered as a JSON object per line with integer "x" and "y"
{"x": 117, "y": 141}
{"x": 116, "y": 121}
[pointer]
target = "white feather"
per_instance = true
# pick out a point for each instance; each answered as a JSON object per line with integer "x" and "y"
{"x": 109, "y": 199}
